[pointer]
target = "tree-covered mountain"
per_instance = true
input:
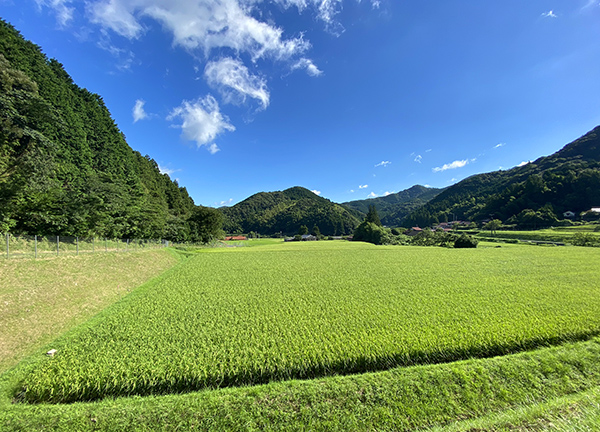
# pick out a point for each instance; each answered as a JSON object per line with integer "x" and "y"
{"x": 532, "y": 195}
{"x": 394, "y": 207}
{"x": 286, "y": 211}
{"x": 66, "y": 169}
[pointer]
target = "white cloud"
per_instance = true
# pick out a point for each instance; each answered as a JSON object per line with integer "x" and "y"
{"x": 138, "y": 111}
{"x": 363, "y": 186}
{"x": 386, "y": 193}
{"x": 165, "y": 170}
{"x": 235, "y": 82}
{"x": 372, "y": 195}
{"x": 316, "y": 192}
{"x": 427, "y": 151}
{"x": 375, "y": 4}
{"x": 63, "y": 12}
{"x": 200, "y": 25}
{"x": 202, "y": 121}
{"x": 307, "y": 64}
{"x": 351, "y": 190}
{"x": 224, "y": 203}
{"x": 499, "y": 145}
{"x": 549, "y": 14}
{"x": 453, "y": 165}
{"x": 523, "y": 163}
{"x": 383, "y": 164}
{"x": 418, "y": 158}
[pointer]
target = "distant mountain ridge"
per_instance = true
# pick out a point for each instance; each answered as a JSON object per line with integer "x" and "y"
{"x": 286, "y": 211}
{"x": 394, "y": 207}
{"x": 541, "y": 191}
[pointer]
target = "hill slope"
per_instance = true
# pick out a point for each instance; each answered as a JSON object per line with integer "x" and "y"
{"x": 65, "y": 167}
{"x": 285, "y": 211}
{"x": 394, "y": 207}
{"x": 534, "y": 194}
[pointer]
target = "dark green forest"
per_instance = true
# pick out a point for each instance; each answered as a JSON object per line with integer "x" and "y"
{"x": 286, "y": 211}
{"x": 531, "y": 196}
{"x": 395, "y": 207}
{"x": 66, "y": 169}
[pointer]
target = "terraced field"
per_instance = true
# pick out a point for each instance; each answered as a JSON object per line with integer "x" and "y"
{"x": 233, "y": 317}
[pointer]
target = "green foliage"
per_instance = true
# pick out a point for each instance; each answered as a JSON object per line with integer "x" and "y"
{"x": 269, "y": 213}
{"x": 65, "y": 168}
{"x": 372, "y": 216}
{"x": 303, "y": 230}
{"x": 585, "y": 239}
{"x": 493, "y": 225}
{"x": 465, "y": 241}
{"x": 372, "y": 233}
{"x": 236, "y": 317}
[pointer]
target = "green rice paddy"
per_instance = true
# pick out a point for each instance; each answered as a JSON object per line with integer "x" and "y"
{"x": 233, "y": 317}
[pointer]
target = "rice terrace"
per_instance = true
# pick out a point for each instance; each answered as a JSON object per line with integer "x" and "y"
{"x": 394, "y": 337}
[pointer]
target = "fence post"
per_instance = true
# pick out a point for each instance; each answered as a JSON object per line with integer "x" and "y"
{"x": 77, "y": 245}
{"x": 35, "y": 241}
{"x": 57, "y": 243}
{"x": 7, "y": 247}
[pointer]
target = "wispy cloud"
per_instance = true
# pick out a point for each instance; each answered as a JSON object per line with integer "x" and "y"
{"x": 386, "y": 193}
{"x": 165, "y": 170}
{"x": 524, "y": 163}
{"x": 454, "y": 165}
{"x": 383, "y": 164}
{"x": 138, "y": 111}
{"x": 202, "y": 121}
{"x": 363, "y": 186}
{"x": 309, "y": 66}
{"x": 418, "y": 158}
{"x": 235, "y": 83}
{"x": 64, "y": 12}
{"x": 351, "y": 190}
{"x": 372, "y": 195}
{"x": 224, "y": 203}
{"x": 316, "y": 192}
{"x": 499, "y": 145}
{"x": 549, "y": 14}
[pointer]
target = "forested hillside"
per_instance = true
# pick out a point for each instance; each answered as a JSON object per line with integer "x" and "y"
{"x": 286, "y": 211}
{"x": 66, "y": 169}
{"x": 533, "y": 195}
{"x": 394, "y": 207}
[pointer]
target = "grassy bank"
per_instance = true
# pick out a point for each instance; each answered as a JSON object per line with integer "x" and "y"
{"x": 508, "y": 390}
{"x": 40, "y": 299}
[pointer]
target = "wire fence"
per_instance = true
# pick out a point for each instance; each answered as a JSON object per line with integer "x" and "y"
{"x": 45, "y": 246}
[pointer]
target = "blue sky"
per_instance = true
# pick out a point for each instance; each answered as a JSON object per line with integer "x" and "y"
{"x": 348, "y": 98}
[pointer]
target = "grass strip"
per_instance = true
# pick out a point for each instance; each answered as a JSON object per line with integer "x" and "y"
{"x": 40, "y": 299}
{"x": 400, "y": 399}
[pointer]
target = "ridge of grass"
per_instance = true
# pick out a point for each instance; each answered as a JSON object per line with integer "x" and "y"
{"x": 400, "y": 399}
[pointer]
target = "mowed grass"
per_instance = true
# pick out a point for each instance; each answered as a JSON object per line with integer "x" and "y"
{"x": 40, "y": 299}
{"x": 243, "y": 316}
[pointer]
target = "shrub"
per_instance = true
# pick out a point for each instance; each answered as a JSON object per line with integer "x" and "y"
{"x": 465, "y": 241}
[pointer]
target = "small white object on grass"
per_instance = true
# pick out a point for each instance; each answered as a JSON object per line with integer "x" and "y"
{"x": 51, "y": 352}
